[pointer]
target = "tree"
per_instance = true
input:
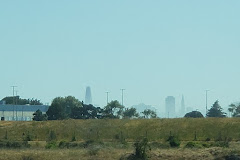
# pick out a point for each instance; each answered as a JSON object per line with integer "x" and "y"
{"x": 62, "y": 107}
{"x": 38, "y": 116}
{"x": 148, "y": 113}
{"x": 130, "y": 113}
{"x": 113, "y": 110}
{"x": 216, "y": 111}
{"x": 20, "y": 101}
{"x": 234, "y": 109}
{"x": 88, "y": 111}
{"x": 194, "y": 114}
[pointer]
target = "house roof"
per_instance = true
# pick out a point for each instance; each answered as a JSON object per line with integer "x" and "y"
{"x": 26, "y": 108}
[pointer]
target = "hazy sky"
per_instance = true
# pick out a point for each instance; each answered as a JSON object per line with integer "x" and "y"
{"x": 151, "y": 48}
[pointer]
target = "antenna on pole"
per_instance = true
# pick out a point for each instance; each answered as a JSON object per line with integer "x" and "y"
{"x": 122, "y": 94}
{"x": 207, "y": 101}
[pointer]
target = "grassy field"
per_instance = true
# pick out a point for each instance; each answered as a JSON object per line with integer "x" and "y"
{"x": 116, "y": 154}
{"x": 113, "y": 139}
{"x": 108, "y": 130}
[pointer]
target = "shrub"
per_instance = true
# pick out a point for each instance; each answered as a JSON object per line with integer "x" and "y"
{"x": 93, "y": 150}
{"x": 88, "y": 143}
{"x": 13, "y": 144}
{"x": 51, "y": 145}
{"x": 63, "y": 144}
{"x": 52, "y": 136}
{"x": 173, "y": 141}
{"x": 193, "y": 145}
{"x": 141, "y": 148}
{"x": 73, "y": 138}
{"x": 28, "y": 137}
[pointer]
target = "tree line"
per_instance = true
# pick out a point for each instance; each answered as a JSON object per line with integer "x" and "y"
{"x": 71, "y": 108}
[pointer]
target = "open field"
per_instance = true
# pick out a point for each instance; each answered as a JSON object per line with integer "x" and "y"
{"x": 113, "y": 139}
{"x": 115, "y": 154}
{"x": 107, "y": 130}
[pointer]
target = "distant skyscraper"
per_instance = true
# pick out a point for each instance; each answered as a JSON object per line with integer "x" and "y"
{"x": 88, "y": 96}
{"x": 170, "y": 107}
{"x": 183, "y": 106}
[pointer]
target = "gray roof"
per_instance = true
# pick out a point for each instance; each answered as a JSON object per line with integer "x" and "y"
{"x": 26, "y": 108}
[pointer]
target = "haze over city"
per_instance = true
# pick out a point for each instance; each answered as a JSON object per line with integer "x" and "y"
{"x": 152, "y": 49}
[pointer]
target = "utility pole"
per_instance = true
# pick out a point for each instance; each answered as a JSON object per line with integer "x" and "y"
{"x": 122, "y": 94}
{"x": 107, "y": 96}
{"x": 16, "y": 103}
{"x": 13, "y": 87}
{"x": 207, "y": 101}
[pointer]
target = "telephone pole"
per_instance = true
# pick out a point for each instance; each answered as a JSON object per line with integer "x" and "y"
{"x": 207, "y": 101}
{"x": 13, "y": 87}
{"x": 122, "y": 94}
{"x": 107, "y": 96}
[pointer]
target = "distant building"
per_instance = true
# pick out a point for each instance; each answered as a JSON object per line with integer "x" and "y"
{"x": 20, "y": 112}
{"x": 183, "y": 106}
{"x": 88, "y": 96}
{"x": 170, "y": 107}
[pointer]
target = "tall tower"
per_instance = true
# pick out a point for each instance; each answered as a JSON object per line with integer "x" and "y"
{"x": 182, "y": 106}
{"x": 170, "y": 107}
{"x": 88, "y": 96}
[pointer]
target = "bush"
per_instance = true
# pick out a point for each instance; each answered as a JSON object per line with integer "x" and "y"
{"x": 173, "y": 141}
{"x": 88, "y": 143}
{"x": 141, "y": 148}
{"x": 93, "y": 150}
{"x": 73, "y": 138}
{"x": 28, "y": 137}
{"x": 63, "y": 144}
{"x": 51, "y": 145}
{"x": 194, "y": 145}
{"x": 52, "y": 136}
{"x": 13, "y": 144}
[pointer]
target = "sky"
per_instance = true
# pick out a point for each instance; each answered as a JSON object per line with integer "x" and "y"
{"x": 153, "y": 49}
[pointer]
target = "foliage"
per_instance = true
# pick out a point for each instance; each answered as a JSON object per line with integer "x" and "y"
{"x": 173, "y": 141}
{"x": 38, "y": 116}
{"x": 51, "y": 145}
{"x": 20, "y": 101}
{"x": 130, "y": 113}
{"x": 28, "y": 137}
{"x": 13, "y": 144}
{"x": 61, "y": 108}
{"x": 87, "y": 111}
{"x": 194, "y": 145}
{"x": 113, "y": 110}
{"x": 216, "y": 111}
{"x": 74, "y": 137}
{"x": 194, "y": 114}
{"x": 148, "y": 113}
{"x": 141, "y": 148}
{"x": 234, "y": 109}
{"x": 52, "y": 136}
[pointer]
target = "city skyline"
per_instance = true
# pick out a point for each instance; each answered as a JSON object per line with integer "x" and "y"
{"x": 151, "y": 49}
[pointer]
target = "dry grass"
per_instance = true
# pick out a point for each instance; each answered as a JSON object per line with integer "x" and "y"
{"x": 115, "y": 154}
{"x": 106, "y": 130}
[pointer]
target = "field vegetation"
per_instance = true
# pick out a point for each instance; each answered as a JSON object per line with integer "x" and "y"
{"x": 184, "y": 138}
